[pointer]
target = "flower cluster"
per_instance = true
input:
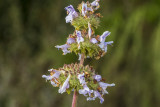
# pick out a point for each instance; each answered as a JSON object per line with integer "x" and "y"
{"x": 80, "y": 78}
{"x": 84, "y": 40}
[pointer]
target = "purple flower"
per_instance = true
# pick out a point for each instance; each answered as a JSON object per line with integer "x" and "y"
{"x": 89, "y": 30}
{"x": 71, "y": 40}
{"x": 64, "y": 48}
{"x": 89, "y": 9}
{"x": 69, "y": 18}
{"x": 97, "y": 77}
{"x": 103, "y": 45}
{"x": 54, "y": 84}
{"x": 90, "y": 98}
{"x": 79, "y": 37}
{"x": 71, "y": 13}
{"x": 85, "y": 91}
{"x": 95, "y": 4}
{"x": 54, "y": 76}
{"x": 81, "y": 79}
{"x": 69, "y": 9}
{"x": 104, "y": 86}
{"x": 84, "y": 9}
{"x": 104, "y": 35}
{"x": 50, "y": 77}
{"x": 93, "y": 40}
{"x": 96, "y": 94}
{"x": 64, "y": 86}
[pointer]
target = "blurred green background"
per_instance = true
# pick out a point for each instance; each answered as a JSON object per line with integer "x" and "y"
{"x": 29, "y": 30}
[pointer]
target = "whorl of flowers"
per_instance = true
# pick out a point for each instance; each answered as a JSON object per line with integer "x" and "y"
{"x": 83, "y": 41}
{"x": 80, "y": 78}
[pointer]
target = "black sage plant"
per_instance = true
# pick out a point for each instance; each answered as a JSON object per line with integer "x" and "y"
{"x": 82, "y": 79}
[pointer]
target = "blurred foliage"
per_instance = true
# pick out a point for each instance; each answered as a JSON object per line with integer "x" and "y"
{"x": 29, "y": 30}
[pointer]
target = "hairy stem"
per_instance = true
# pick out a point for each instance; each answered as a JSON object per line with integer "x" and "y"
{"x": 74, "y": 101}
{"x": 75, "y": 95}
{"x": 82, "y": 59}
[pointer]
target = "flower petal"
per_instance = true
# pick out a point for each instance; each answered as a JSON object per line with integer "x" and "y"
{"x": 71, "y": 40}
{"x": 69, "y": 9}
{"x": 89, "y": 30}
{"x": 81, "y": 79}
{"x": 103, "y": 36}
{"x": 103, "y": 45}
{"x": 50, "y": 70}
{"x": 54, "y": 84}
{"x": 64, "y": 86}
{"x": 71, "y": 13}
{"x": 95, "y": 4}
{"x": 64, "y": 48}
{"x": 90, "y": 98}
{"x": 104, "y": 86}
{"x": 97, "y": 77}
{"x": 94, "y": 40}
{"x": 97, "y": 94}
{"x": 69, "y": 18}
{"x": 84, "y": 9}
{"x": 85, "y": 91}
{"x": 79, "y": 37}
{"x": 48, "y": 77}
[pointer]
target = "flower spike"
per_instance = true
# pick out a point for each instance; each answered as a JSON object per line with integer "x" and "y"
{"x": 85, "y": 43}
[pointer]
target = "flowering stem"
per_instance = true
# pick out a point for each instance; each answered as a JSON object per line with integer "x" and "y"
{"x": 82, "y": 59}
{"x": 74, "y": 101}
{"x": 75, "y": 95}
